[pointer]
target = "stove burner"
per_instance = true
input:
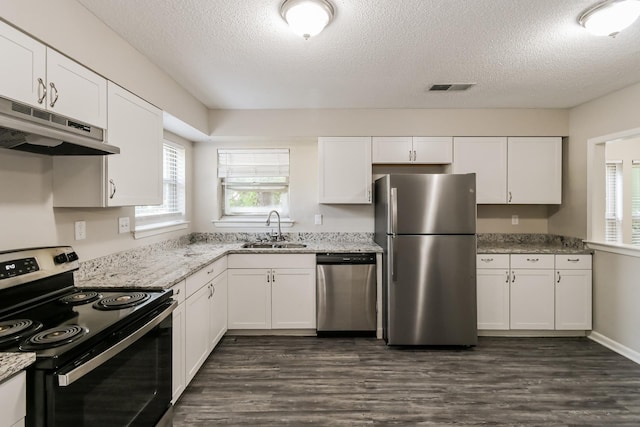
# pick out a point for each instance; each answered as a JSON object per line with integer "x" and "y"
{"x": 15, "y": 329}
{"x": 80, "y": 298}
{"x": 122, "y": 301}
{"x": 54, "y": 337}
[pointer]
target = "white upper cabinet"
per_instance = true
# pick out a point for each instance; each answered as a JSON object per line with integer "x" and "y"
{"x": 535, "y": 170}
{"x": 19, "y": 76}
{"x": 75, "y": 91}
{"x": 131, "y": 178}
{"x": 522, "y": 170}
{"x": 412, "y": 150}
{"x": 43, "y": 78}
{"x": 487, "y": 158}
{"x": 344, "y": 170}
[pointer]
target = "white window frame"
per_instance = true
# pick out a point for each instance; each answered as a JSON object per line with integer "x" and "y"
{"x": 596, "y": 149}
{"x": 228, "y": 172}
{"x": 613, "y": 204}
{"x": 635, "y": 202}
{"x": 152, "y": 220}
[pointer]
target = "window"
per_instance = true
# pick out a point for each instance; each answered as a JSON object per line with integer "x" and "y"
{"x": 613, "y": 214}
{"x": 635, "y": 202}
{"x": 172, "y": 209}
{"x": 254, "y": 181}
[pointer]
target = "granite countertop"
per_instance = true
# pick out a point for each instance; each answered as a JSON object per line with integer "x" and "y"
{"x": 532, "y": 248}
{"x": 163, "y": 269}
{"x": 11, "y": 363}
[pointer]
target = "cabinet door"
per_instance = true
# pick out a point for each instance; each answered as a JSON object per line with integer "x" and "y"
{"x": 249, "y": 298}
{"x": 135, "y": 175}
{"x": 493, "y": 299}
{"x": 391, "y": 149}
{"x": 293, "y": 299}
{"x": 532, "y": 299}
{"x": 432, "y": 150}
{"x": 487, "y": 158}
{"x": 23, "y": 64}
{"x": 75, "y": 91}
{"x": 573, "y": 299}
{"x": 218, "y": 309}
{"x": 178, "y": 353}
{"x": 198, "y": 308}
{"x": 13, "y": 404}
{"x": 535, "y": 170}
{"x": 344, "y": 170}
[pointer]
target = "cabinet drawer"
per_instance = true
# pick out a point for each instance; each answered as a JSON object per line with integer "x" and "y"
{"x": 573, "y": 262}
{"x": 492, "y": 261}
{"x": 179, "y": 291}
{"x": 272, "y": 261}
{"x": 203, "y": 276}
{"x": 532, "y": 261}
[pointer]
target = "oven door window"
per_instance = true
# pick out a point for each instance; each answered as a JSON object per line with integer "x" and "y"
{"x": 131, "y": 389}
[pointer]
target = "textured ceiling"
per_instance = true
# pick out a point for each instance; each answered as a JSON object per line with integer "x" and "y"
{"x": 379, "y": 53}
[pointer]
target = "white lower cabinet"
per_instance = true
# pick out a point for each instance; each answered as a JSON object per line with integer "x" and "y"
{"x": 179, "y": 378}
{"x": 534, "y": 292}
{"x": 13, "y": 403}
{"x": 281, "y": 297}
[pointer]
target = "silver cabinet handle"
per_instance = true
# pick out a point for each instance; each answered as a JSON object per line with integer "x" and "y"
{"x": 486, "y": 259}
{"x": 213, "y": 290}
{"x": 513, "y": 277}
{"x": 210, "y": 271}
{"x": 113, "y": 188}
{"x": 409, "y": 155}
{"x": 82, "y": 370}
{"x": 559, "y": 277}
{"x": 510, "y": 196}
{"x": 533, "y": 259}
{"x": 273, "y": 277}
{"x": 43, "y": 95}
{"x": 415, "y": 156}
{"x": 268, "y": 277}
{"x": 573, "y": 259}
{"x": 369, "y": 195}
{"x": 53, "y": 100}
{"x": 177, "y": 291}
{"x": 507, "y": 281}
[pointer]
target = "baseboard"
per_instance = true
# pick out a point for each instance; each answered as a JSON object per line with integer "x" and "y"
{"x": 272, "y": 332}
{"x": 615, "y": 346}
{"x": 529, "y": 333}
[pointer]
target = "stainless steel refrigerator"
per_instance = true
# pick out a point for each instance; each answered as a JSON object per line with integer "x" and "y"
{"x": 426, "y": 224}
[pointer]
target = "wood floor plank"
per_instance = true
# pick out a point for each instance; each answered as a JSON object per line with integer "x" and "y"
{"x": 361, "y": 381}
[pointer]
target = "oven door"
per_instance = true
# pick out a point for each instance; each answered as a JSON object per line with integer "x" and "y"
{"x": 129, "y": 384}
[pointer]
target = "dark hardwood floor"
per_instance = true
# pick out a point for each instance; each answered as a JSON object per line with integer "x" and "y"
{"x": 359, "y": 381}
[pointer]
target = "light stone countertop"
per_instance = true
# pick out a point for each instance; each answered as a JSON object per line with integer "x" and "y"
{"x": 515, "y": 248}
{"x": 163, "y": 269}
{"x": 12, "y": 363}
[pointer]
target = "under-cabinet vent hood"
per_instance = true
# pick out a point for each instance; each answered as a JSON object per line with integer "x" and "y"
{"x": 29, "y": 129}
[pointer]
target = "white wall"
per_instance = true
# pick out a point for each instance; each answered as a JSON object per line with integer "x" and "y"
{"x": 70, "y": 28}
{"x": 615, "y": 285}
{"x": 27, "y": 216}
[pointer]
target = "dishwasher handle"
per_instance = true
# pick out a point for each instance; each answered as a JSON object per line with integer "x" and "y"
{"x": 345, "y": 258}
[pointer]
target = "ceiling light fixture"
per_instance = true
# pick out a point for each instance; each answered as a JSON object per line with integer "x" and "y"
{"x": 610, "y": 17}
{"x": 307, "y": 17}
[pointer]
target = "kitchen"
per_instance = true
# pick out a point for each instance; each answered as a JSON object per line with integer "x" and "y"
{"x": 29, "y": 218}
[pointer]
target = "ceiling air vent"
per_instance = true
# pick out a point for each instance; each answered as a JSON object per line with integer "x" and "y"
{"x": 449, "y": 87}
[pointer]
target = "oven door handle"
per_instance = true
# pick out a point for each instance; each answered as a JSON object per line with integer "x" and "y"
{"x": 79, "y": 372}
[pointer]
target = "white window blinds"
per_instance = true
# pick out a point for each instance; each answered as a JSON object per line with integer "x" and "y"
{"x": 635, "y": 202}
{"x": 173, "y": 186}
{"x": 245, "y": 163}
{"x": 613, "y": 212}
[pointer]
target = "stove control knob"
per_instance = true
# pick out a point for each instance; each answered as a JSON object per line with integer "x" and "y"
{"x": 72, "y": 256}
{"x": 60, "y": 259}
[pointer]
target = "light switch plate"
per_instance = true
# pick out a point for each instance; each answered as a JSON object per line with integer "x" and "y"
{"x": 515, "y": 219}
{"x": 123, "y": 225}
{"x": 318, "y": 219}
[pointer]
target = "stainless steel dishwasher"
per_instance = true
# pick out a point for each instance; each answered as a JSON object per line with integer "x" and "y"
{"x": 346, "y": 293}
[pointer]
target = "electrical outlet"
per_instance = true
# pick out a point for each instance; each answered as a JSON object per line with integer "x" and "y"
{"x": 515, "y": 219}
{"x": 80, "y": 230}
{"x": 318, "y": 219}
{"x": 123, "y": 225}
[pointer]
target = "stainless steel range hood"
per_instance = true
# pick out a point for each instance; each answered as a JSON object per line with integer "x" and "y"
{"x": 29, "y": 129}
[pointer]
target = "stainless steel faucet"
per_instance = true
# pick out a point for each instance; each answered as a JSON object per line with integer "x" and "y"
{"x": 279, "y": 237}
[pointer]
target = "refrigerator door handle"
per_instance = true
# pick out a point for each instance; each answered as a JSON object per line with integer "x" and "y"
{"x": 394, "y": 211}
{"x": 394, "y": 257}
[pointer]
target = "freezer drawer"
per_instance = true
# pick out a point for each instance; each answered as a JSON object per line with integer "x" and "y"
{"x": 346, "y": 297}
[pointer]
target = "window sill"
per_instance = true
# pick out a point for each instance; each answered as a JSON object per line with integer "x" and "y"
{"x": 614, "y": 248}
{"x": 231, "y": 222}
{"x": 149, "y": 230}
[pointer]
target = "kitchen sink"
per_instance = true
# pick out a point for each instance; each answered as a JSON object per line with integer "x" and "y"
{"x": 273, "y": 245}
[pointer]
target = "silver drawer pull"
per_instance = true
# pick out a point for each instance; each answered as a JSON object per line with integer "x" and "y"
{"x": 486, "y": 259}
{"x": 533, "y": 259}
{"x": 573, "y": 260}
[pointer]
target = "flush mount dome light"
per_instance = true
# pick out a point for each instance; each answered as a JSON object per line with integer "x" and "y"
{"x": 610, "y": 17}
{"x": 307, "y": 17}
